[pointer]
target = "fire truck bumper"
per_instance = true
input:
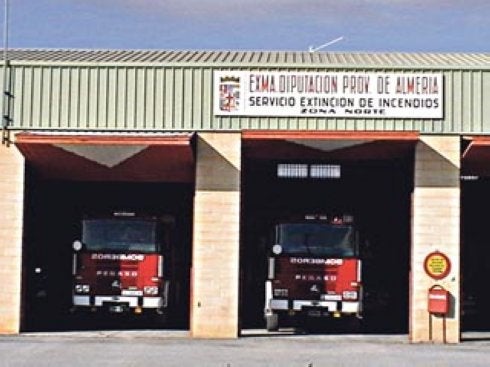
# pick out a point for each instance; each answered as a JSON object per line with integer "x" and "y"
{"x": 132, "y": 302}
{"x": 298, "y": 305}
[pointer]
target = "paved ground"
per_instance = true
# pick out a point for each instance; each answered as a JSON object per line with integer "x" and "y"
{"x": 256, "y": 348}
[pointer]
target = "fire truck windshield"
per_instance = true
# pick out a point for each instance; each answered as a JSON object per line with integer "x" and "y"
{"x": 317, "y": 239}
{"x": 120, "y": 235}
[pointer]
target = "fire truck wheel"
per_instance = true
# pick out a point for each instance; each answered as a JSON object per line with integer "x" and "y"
{"x": 272, "y": 322}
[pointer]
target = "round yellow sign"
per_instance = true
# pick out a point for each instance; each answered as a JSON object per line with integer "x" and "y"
{"x": 437, "y": 265}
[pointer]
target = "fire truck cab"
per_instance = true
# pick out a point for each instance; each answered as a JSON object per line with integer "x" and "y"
{"x": 314, "y": 270}
{"x": 120, "y": 264}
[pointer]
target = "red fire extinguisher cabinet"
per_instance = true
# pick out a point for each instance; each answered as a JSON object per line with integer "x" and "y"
{"x": 438, "y": 300}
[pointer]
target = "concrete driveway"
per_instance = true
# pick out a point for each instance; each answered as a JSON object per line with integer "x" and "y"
{"x": 255, "y": 348}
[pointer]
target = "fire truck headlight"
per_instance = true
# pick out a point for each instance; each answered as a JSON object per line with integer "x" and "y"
{"x": 85, "y": 288}
{"x": 349, "y": 295}
{"x": 281, "y": 292}
{"x": 151, "y": 290}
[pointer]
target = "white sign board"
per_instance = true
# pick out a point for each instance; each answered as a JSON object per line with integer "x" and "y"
{"x": 328, "y": 94}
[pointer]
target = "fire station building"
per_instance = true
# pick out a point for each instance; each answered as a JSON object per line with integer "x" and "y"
{"x": 221, "y": 140}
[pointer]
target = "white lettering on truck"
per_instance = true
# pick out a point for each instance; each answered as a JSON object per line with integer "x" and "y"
{"x": 128, "y": 257}
{"x": 119, "y": 273}
{"x": 305, "y": 260}
{"x": 315, "y": 277}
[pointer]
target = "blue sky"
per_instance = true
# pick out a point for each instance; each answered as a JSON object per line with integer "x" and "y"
{"x": 365, "y": 25}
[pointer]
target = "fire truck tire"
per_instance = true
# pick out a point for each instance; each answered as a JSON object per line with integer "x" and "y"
{"x": 272, "y": 322}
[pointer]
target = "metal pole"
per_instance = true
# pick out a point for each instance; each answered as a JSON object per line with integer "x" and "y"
{"x": 430, "y": 326}
{"x": 444, "y": 330}
{"x": 314, "y": 49}
{"x": 5, "y": 49}
{"x": 6, "y": 92}
{"x": 6, "y": 31}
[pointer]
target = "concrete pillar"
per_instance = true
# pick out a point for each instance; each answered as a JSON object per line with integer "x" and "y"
{"x": 11, "y": 223}
{"x": 216, "y": 239}
{"x": 435, "y": 227}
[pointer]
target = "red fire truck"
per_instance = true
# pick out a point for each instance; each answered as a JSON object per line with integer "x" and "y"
{"x": 120, "y": 264}
{"x": 314, "y": 270}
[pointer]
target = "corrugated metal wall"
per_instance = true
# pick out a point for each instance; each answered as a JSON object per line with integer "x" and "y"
{"x": 154, "y": 98}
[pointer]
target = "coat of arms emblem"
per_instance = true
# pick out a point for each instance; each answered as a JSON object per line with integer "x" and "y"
{"x": 229, "y": 93}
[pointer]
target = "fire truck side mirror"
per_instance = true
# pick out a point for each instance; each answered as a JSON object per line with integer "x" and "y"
{"x": 438, "y": 300}
{"x": 77, "y": 245}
